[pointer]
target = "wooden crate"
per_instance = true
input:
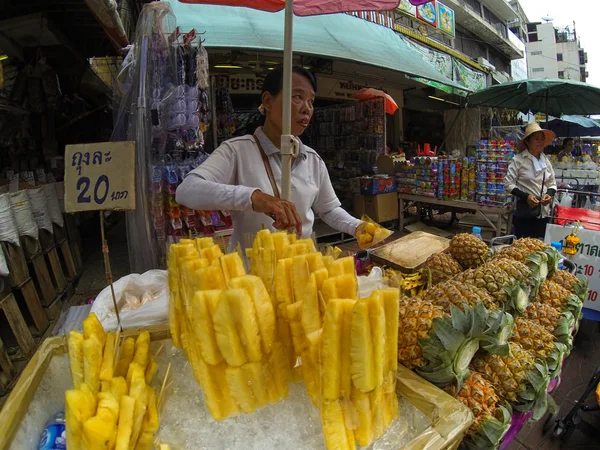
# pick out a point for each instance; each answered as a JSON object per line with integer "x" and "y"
{"x": 17, "y": 325}
{"x": 46, "y": 240}
{"x": 31, "y": 247}
{"x": 7, "y": 370}
{"x": 42, "y": 279}
{"x": 56, "y": 270}
{"x": 67, "y": 260}
{"x": 27, "y": 298}
{"x": 74, "y": 238}
{"x": 53, "y": 310}
{"x": 17, "y": 263}
{"x": 60, "y": 233}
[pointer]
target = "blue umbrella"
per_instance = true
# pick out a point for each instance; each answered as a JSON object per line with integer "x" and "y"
{"x": 574, "y": 126}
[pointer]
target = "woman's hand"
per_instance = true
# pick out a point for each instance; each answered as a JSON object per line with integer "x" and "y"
{"x": 533, "y": 201}
{"x": 546, "y": 200}
{"x": 281, "y": 211}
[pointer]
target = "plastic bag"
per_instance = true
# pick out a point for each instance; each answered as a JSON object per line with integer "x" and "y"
{"x": 21, "y": 208}
{"x": 566, "y": 200}
{"x": 370, "y": 233}
{"x": 372, "y": 282}
{"x": 8, "y": 226}
{"x": 4, "y": 272}
{"x": 154, "y": 312}
{"x": 39, "y": 208}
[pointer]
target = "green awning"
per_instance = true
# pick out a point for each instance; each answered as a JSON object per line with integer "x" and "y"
{"x": 336, "y": 36}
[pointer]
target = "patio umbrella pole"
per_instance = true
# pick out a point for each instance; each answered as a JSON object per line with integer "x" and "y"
{"x": 288, "y": 143}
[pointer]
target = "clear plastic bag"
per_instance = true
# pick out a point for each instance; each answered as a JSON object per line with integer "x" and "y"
{"x": 370, "y": 233}
{"x": 156, "y": 311}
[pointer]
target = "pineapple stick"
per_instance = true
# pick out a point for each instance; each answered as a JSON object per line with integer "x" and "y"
{"x": 76, "y": 357}
{"x": 146, "y": 441}
{"x": 106, "y": 370}
{"x": 240, "y": 389}
{"x": 346, "y": 349}
{"x": 253, "y": 373}
{"x": 391, "y": 298}
{"x": 125, "y": 358}
{"x": 92, "y": 326}
{"x": 142, "y": 346}
{"x": 80, "y": 405}
{"x": 118, "y": 387}
{"x": 203, "y": 307}
{"x": 139, "y": 392}
{"x": 99, "y": 432}
{"x": 283, "y": 282}
{"x": 377, "y": 412}
{"x": 331, "y": 353}
{"x": 364, "y": 432}
{"x": 125, "y": 423}
{"x": 300, "y": 276}
{"x": 92, "y": 358}
{"x": 378, "y": 328}
{"x": 362, "y": 359}
{"x": 226, "y": 334}
{"x": 104, "y": 386}
{"x": 334, "y": 427}
{"x": 151, "y": 419}
{"x": 209, "y": 380}
{"x": 174, "y": 326}
{"x": 311, "y": 315}
{"x": 151, "y": 369}
{"x": 135, "y": 371}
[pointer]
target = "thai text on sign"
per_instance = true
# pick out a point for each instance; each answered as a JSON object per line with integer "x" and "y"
{"x": 100, "y": 176}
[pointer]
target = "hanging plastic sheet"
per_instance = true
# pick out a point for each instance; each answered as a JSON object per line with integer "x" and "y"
{"x": 146, "y": 86}
{"x": 8, "y": 226}
{"x": 21, "y": 208}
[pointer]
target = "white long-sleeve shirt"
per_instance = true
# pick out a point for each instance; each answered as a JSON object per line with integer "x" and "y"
{"x": 227, "y": 179}
{"x": 522, "y": 174}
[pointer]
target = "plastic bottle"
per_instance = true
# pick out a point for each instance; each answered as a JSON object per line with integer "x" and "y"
{"x": 561, "y": 259}
{"x": 54, "y": 436}
{"x": 476, "y": 231}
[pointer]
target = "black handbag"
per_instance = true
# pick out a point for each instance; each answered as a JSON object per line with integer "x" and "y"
{"x": 526, "y": 211}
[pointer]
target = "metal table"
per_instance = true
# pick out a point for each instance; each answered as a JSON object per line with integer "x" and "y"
{"x": 504, "y": 213}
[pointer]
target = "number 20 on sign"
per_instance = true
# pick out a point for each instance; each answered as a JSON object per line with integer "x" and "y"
{"x": 100, "y": 176}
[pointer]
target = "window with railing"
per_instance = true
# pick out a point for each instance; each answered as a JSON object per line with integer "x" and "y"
{"x": 559, "y": 56}
{"x": 561, "y": 74}
{"x": 474, "y": 5}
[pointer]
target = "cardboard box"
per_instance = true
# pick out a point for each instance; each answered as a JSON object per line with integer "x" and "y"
{"x": 380, "y": 208}
{"x": 377, "y": 185}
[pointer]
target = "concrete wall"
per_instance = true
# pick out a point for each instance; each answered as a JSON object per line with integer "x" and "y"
{"x": 541, "y": 55}
{"x": 570, "y": 63}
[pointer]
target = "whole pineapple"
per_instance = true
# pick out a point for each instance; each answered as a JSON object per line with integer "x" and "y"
{"x": 452, "y": 292}
{"x": 442, "y": 266}
{"x": 492, "y": 419}
{"x": 535, "y": 245}
{"x": 559, "y": 324}
{"x": 507, "y": 287}
{"x": 570, "y": 282}
{"x": 553, "y": 294}
{"x": 440, "y": 346}
{"x": 535, "y": 338}
{"x": 517, "y": 377}
{"x": 469, "y": 250}
{"x": 538, "y": 262}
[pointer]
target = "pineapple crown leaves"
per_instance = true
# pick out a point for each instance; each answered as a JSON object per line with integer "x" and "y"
{"x": 491, "y": 430}
{"x": 502, "y": 325}
{"x": 518, "y": 299}
{"x": 581, "y": 288}
{"x": 553, "y": 257}
{"x": 555, "y": 359}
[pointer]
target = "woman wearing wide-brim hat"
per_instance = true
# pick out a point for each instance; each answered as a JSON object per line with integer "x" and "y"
{"x": 531, "y": 179}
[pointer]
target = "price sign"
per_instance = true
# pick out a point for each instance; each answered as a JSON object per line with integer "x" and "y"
{"x": 587, "y": 258}
{"x": 100, "y": 176}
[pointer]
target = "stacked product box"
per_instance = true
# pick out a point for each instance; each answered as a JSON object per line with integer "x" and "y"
{"x": 406, "y": 177}
{"x": 449, "y": 174}
{"x": 493, "y": 158}
{"x": 468, "y": 180}
{"x": 427, "y": 172}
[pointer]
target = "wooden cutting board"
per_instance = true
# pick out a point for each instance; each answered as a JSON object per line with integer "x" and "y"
{"x": 410, "y": 252}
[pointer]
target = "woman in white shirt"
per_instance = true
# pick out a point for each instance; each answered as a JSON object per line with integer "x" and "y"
{"x": 236, "y": 176}
{"x": 530, "y": 178}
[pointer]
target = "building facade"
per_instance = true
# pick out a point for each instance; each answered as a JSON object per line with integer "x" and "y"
{"x": 555, "y": 52}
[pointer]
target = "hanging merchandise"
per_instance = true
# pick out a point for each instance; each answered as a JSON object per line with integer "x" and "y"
{"x": 23, "y": 214}
{"x": 39, "y": 208}
{"x": 8, "y": 226}
{"x": 224, "y": 109}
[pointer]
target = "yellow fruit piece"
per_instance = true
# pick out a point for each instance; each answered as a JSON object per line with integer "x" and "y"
{"x": 280, "y": 243}
{"x": 371, "y": 228}
{"x": 92, "y": 359}
{"x": 80, "y": 405}
{"x": 135, "y": 372}
{"x": 337, "y": 437}
{"x": 295, "y": 249}
{"x": 151, "y": 369}
{"x": 327, "y": 260}
{"x": 104, "y": 386}
{"x": 265, "y": 315}
{"x": 139, "y": 412}
{"x": 314, "y": 346}
{"x": 379, "y": 331}
{"x": 346, "y": 348}
{"x": 294, "y": 314}
{"x": 164, "y": 447}
{"x": 253, "y": 372}
{"x": 311, "y": 314}
{"x": 332, "y": 355}
{"x": 284, "y": 334}
{"x": 151, "y": 418}
{"x": 309, "y": 244}
{"x": 118, "y": 387}
{"x": 312, "y": 379}
{"x": 99, "y": 432}
{"x": 174, "y": 326}
{"x": 107, "y": 402}
{"x": 210, "y": 279}
{"x": 125, "y": 427}
{"x": 211, "y": 253}
{"x": 390, "y": 408}
{"x": 365, "y": 238}
{"x": 125, "y": 357}
{"x": 283, "y": 282}
{"x": 75, "y": 345}
{"x": 364, "y": 431}
{"x": 142, "y": 347}
{"x": 281, "y": 369}
{"x": 341, "y": 286}
{"x": 232, "y": 266}
{"x": 203, "y": 307}
{"x": 138, "y": 388}
{"x": 236, "y": 329}
{"x": 342, "y": 266}
{"x": 376, "y": 397}
{"x": 108, "y": 358}
{"x": 391, "y": 302}
{"x": 212, "y": 378}
{"x": 203, "y": 243}
{"x": 240, "y": 389}
{"x": 91, "y": 325}
{"x": 300, "y": 276}
{"x": 361, "y": 356}
{"x": 146, "y": 441}
{"x": 320, "y": 276}
{"x": 315, "y": 262}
